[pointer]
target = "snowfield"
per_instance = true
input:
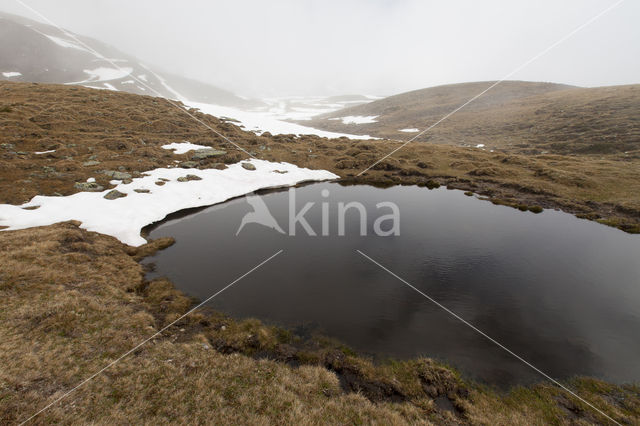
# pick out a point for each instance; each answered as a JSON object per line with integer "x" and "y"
{"x": 124, "y": 218}
{"x": 11, "y": 74}
{"x": 260, "y": 122}
{"x": 409, "y": 130}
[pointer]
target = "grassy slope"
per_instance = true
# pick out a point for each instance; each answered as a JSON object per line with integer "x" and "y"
{"x": 517, "y": 117}
{"x": 73, "y": 301}
{"x": 125, "y": 131}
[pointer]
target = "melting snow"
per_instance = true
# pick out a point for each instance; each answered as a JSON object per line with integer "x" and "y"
{"x": 263, "y": 122}
{"x": 44, "y": 152}
{"x": 11, "y": 74}
{"x": 409, "y": 130}
{"x": 182, "y": 147}
{"x": 480, "y": 145}
{"x": 124, "y": 218}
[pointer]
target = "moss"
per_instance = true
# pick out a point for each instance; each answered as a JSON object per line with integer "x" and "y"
{"x": 432, "y": 184}
{"x": 536, "y": 209}
{"x": 468, "y": 194}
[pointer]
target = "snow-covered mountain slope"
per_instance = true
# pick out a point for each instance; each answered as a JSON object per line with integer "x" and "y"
{"x": 34, "y": 52}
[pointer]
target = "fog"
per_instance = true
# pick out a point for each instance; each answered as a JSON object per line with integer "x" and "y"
{"x": 381, "y": 47}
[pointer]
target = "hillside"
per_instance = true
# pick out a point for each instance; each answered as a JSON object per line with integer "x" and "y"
{"x": 514, "y": 116}
{"x": 35, "y": 52}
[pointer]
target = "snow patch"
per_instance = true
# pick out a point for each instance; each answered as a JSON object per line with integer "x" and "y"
{"x": 183, "y": 147}
{"x": 10, "y": 74}
{"x": 480, "y": 145}
{"x": 44, "y": 152}
{"x": 409, "y": 130}
{"x": 69, "y": 44}
{"x": 357, "y": 119}
{"x": 124, "y": 218}
{"x": 101, "y": 74}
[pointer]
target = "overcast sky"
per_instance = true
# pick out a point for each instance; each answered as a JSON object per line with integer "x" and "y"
{"x": 381, "y": 47}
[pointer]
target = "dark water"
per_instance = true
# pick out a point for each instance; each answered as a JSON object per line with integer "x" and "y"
{"x": 561, "y": 292}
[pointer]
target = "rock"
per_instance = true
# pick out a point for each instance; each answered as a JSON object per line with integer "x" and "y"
{"x": 127, "y": 181}
{"x": 49, "y": 169}
{"x": 248, "y": 166}
{"x": 90, "y": 163}
{"x": 187, "y": 178}
{"x": 160, "y": 182}
{"x": 281, "y": 171}
{"x": 7, "y": 146}
{"x": 114, "y": 194}
{"x": 201, "y": 154}
{"x": 142, "y": 191}
{"x": 117, "y": 175}
{"x": 219, "y": 166}
{"x": 188, "y": 165}
{"x": 88, "y": 186}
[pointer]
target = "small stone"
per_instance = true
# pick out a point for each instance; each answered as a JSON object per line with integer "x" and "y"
{"x": 188, "y": 165}
{"x": 117, "y": 175}
{"x": 90, "y": 163}
{"x": 219, "y": 166}
{"x": 7, "y": 146}
{"x": 160, "y": 182}
{"x": 127, "y": 181}
{"x": 193, "y": 177}
{"x": 183, "y": 179}
{"x": 248, "y": 166}
{"x": 201, "y": 154}
{"x": 281, "y": 171}
{"x": 142, "y": 191}
{"x": 88, "y": 186}
{"x": 114, "y": 194}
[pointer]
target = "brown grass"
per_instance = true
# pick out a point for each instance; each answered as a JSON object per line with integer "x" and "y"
{"x": 514, "y": 117}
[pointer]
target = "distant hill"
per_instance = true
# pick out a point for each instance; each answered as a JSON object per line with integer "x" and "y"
{"x": 515, "y": 116}
{"x": 36, "y": 52}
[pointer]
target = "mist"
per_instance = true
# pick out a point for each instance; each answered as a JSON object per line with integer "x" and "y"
{"x": 286, "y": 47}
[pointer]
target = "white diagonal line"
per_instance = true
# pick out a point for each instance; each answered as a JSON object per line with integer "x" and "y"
{"x": 175, "y": 104}
{"x": 491, "y": 339}
{"x": 112, "y": 363}
{"x": 519, "y": 68}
